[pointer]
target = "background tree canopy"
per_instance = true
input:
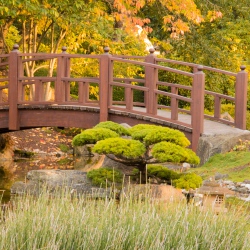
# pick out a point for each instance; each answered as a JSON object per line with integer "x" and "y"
{"x": 213, "y": 33}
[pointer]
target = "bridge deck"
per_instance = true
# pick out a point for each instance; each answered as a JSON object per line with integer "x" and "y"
{"x": 211, "y": 128}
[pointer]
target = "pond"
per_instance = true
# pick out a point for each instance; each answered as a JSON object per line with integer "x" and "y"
{"x": 16, "y": 170}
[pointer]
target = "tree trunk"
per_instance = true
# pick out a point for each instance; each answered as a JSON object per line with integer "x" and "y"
{"x": 143, "y": 174}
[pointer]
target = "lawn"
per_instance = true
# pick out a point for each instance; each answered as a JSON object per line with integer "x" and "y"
{"x": 236, "y": 164}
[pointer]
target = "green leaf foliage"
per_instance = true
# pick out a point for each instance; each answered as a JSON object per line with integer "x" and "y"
{"x": 168, "y": 135}
{"x": 162, "y": 172}
{"x": 188, "y": 181}
{"x": 104, "y": 176}
{"x": 91, "y": 136}
{"x": 169, "y": 152}
{"x": 140, "y": 127}
{"x": 120, "y": 147}
{"x": 119, "y": 129}
{"x": 141, "y": 134}
{"x": 152, "y": 134}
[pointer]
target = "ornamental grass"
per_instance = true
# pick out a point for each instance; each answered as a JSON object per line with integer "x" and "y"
{"x": 67, "y": 221}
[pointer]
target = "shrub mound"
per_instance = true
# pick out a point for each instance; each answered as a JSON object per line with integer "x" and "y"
{"x": 104, "y": 176}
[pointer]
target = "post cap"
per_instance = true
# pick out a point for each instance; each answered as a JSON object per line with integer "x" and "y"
{"x": 200, "y": 67}
{"x": 152, "y": 50}
{"x": 106, "y": 50}
{"x": 64, "y": 48}
{"x": 15, "y": 47}
{"x": 242, "y": 67}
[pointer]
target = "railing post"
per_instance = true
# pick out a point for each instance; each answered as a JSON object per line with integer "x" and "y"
{"x": 13, "y": 89}
{"x": 197, "y": 106}
{"x": 61, "y": 72}
{"x": 105, "y": 75}
{"x": 241, "y": 98}
{"x": 151, "y": 76}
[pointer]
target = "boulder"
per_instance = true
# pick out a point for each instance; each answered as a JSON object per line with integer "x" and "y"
{"x": 73, "y": 180}
{"x": 210, "y": 145}
{"x": 83, "y": 150}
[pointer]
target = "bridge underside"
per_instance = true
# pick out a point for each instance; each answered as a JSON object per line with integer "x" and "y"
{"x": 79, "y": 117}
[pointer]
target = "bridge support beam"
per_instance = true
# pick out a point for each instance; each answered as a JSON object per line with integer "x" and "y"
{"x": 13, "y": 88}
{"x": 197, "y": 106}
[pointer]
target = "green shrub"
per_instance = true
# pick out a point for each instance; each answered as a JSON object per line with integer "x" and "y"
{"x": 104, "y": 176}
{"x": 91, "y": 136}
{"x": 228, "y": 107}
{"x": 141, "y": 134}
{"x": 119, "y": 129}
{"x": 169, "y": 152}
{"x": 188, "y": 181}
{"x": 166, "y": 134}
{"x": 152, "y": 134}
{"x": 140, "y": 127}
{"x": 120, "y": 147}
{"x": 248, "y": 120}
{"x": 162, "y": 172}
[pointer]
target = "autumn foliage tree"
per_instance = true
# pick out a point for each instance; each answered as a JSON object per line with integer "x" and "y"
{"x": 143, "y": 144}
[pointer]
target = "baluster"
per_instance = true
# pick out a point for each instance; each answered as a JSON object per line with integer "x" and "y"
{"x": 174, "y": 104}
{"x": 217, "y": 107}
{"x": 129, "y": 96}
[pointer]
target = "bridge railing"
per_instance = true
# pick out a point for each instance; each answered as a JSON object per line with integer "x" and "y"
{"x": 16, "y": 84}
{"x": 151, "y": 94}
{"x": 239, "y": 99}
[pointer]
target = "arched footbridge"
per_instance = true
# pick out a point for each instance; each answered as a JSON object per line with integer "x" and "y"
{"x": 27, "y": 99}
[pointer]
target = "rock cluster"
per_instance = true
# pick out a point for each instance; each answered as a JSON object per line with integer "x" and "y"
{"x": 241, "y": 189}
{"x": 76, "y": 182}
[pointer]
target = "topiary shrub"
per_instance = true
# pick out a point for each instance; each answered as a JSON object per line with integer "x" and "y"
{"x": 91, "y": 136}
{"x": 188, "y": 181}
{"x": 149, "y": 144}
{"x": 119, "y": 129}
{"x": 104, "y": 176}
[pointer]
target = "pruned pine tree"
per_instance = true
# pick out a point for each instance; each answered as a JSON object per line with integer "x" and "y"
{"x": 138, "y": 146}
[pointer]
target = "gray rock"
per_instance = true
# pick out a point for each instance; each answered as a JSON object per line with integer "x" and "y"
{"x": 85, "y": 150}
{"x": 125, "y": 125}
{"x": 227, "y": 182}
{"x": 219, "y": 176}
{"x": 210, "y": 145}
{"x": 22, "y": 188}
{"x": 243, "y": 190}
{"x": 73, "y": 180}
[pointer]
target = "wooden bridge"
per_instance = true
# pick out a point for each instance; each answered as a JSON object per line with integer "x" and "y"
{"x": 23, "y": 103}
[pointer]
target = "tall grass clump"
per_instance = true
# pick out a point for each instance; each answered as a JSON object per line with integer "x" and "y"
{"x": 136, "y": 222}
